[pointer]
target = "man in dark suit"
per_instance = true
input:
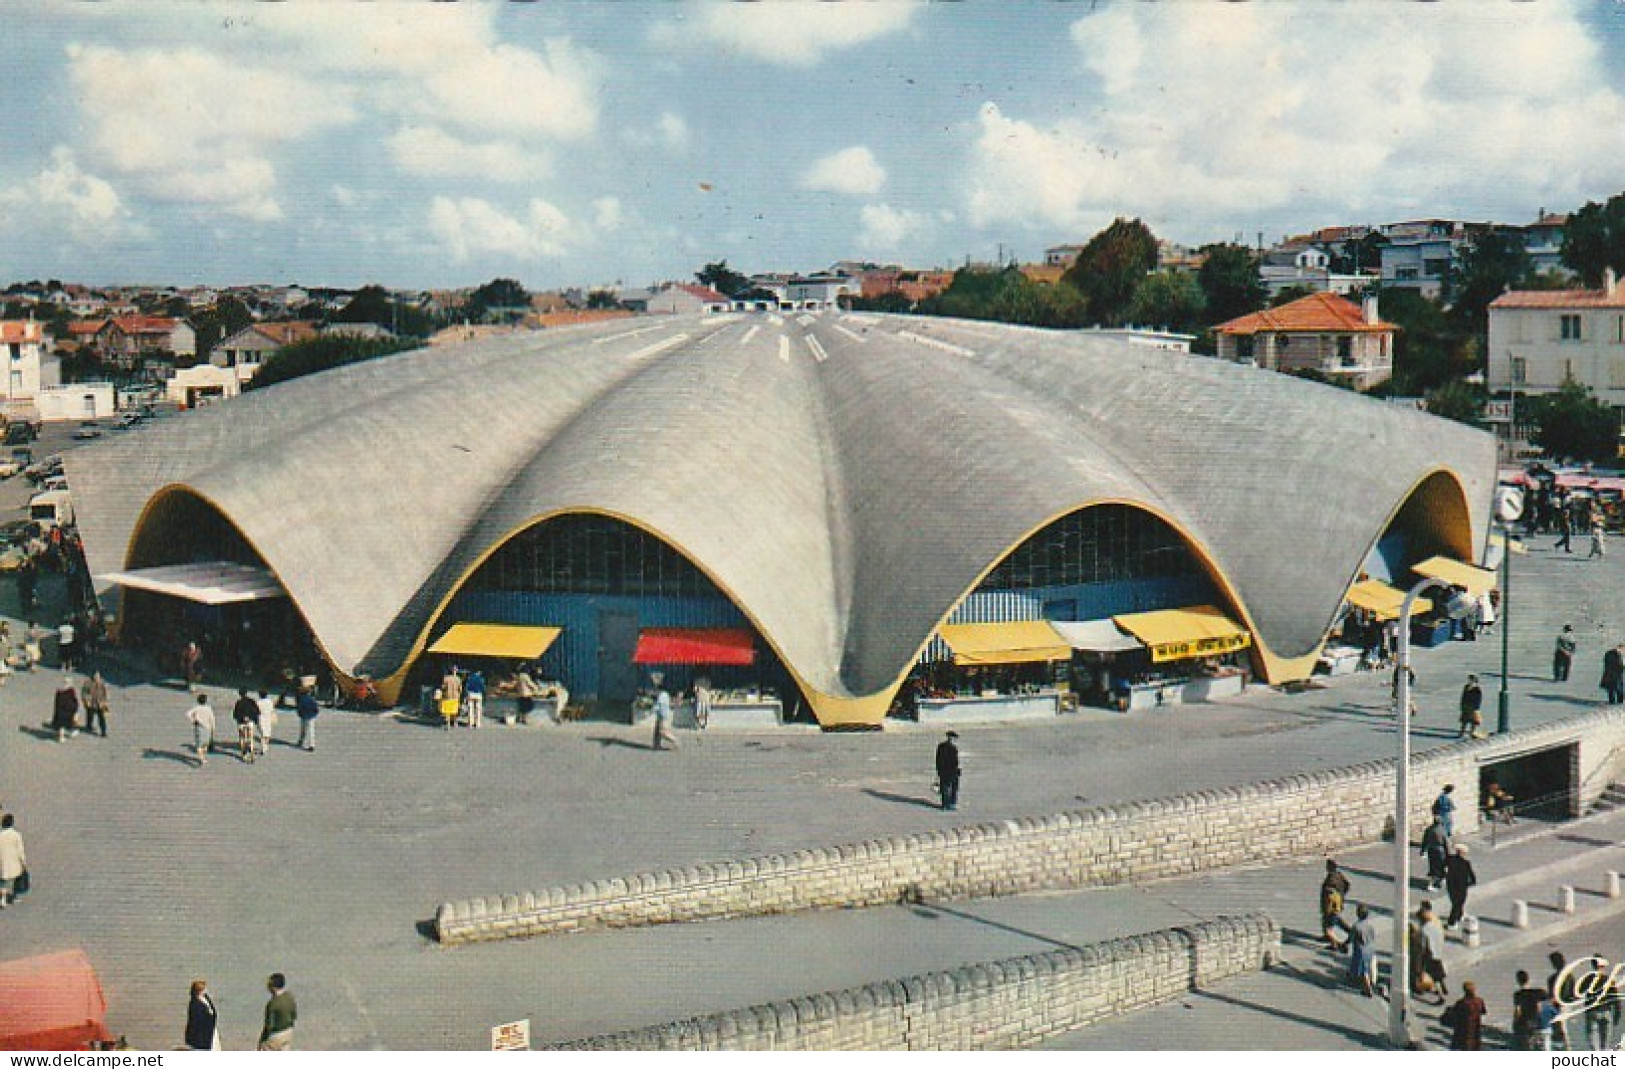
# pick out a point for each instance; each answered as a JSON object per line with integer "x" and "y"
{"x": 948, "y": 771}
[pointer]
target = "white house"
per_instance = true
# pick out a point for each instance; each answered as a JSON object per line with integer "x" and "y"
{"x": 75, "y": 401}
{"x": 686, "y": 298}
{"x": 1539, "y": 338}
{"x": 22, "y": 341}
{"x": 248, "y": 349}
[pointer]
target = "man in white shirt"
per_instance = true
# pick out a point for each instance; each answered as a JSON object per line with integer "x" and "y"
{"x": 201, "y": 717}
{"x": 663, "y": 733}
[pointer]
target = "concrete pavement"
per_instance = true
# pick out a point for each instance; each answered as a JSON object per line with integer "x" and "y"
{"x": 322, "y": 865}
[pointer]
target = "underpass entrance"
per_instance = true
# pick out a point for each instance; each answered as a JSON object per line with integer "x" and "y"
{"x": 1540, "y": 784}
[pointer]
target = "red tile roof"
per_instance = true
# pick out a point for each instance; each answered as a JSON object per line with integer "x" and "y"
{"x": 1561, "y": 299}
{"x": 86, "y": 326}
{"x": 1318, "y": 313}
{"x": 286, "y": 333}
{"x": 145, "y": 324}
{"x": 704, "y": 293}
{"x": 18, "y": 331}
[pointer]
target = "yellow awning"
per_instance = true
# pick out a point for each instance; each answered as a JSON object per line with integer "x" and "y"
{"x": 1175, "y": 634}
{"x": 1017, "y": 642}
{"x": 497, "y": 640}
{"x": 1383, "y": 601}
{"x": 1475, "y": 581}
{"x": 1498, "y": 539}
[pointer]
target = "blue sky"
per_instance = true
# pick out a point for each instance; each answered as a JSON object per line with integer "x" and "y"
{"x": 585, "y": 144}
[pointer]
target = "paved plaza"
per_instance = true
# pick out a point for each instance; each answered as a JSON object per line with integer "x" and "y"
{"x": 327, "y": 865}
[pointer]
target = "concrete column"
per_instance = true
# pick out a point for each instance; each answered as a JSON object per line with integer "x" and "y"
{"x": 1565, "y": 898}
{"x": 1520, "y": 913}
{"x": 1613, "y": 884}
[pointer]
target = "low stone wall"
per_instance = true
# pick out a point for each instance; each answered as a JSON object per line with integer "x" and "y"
{"x": 1000, "y": 1005}
{"x": 1291, "y": 818}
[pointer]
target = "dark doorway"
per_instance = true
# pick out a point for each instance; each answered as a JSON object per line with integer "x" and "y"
{"x": 1544, "y": 784}
{"x": 617, "y": 675}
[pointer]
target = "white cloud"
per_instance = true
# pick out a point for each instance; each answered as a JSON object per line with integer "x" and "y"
{"x": 63, "y": 197}
{"x": 190, "y": 125}
{"x": 430, "y": 152}
{"x": 853, "y": 171}
{"x": 608, "y": 213}
{"x": 795, "y": 33}
{"x": 1352, "y": 109}
{"x": 673, "y": 130}
{"x": 471, "y": 227}
{"x": 887, "y": 229}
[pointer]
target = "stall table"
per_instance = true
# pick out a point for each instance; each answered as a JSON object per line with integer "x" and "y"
{"x": 987, "y": 708}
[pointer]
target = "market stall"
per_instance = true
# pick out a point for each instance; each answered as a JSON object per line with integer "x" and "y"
{"x": 1102, "y": 654}
{"x": 52, "y": 1002}
{"x": 999, "y": 671}
{"x": 1433, "y": 629}
{"x": 1363, "y": 634}
{"x": 688, "y": 658}
{"x": 1194, "y": 657}
{"x": 508, "y": 645}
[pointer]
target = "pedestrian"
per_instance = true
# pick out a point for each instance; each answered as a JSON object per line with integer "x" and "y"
{"x": 474, "y": 697}
{"x": 1363, "y": 952}
{"x": 1334, "y": 890}
{"x": 1564, "y": 529}
{"x": 451, "y": 696}
{"x": 31, "y": 645}
{"x": 305, "y": 707}
{"x": 201, "y": 717}
{"x": 246, "y": 714}
{"x": 1410, "y": 679}
{"x": 1526, "y": 1003}
{"x": 281, "y": 1012}
{"x": 1597, "y": 534}
{"x": 1602, "y": 1005}
{"x": 65, "y": 710}
{"x": 94, "y": 696}
{"x": 1613, "y": 675}
{"x": 1472, "y": 701}
{"x": 702, "y": 703}
{"x": 1459, "y": 877}
{"x": 1444, "y": 807}
{"x": 1563, "y": 654}
{"x": 65, "y": 635}
{"x": 1561, "y": 994}
{"x": 192, "y": 664}
{"x": 1436, "y": 848}
{"x": 525, "y": 690}
{"x": 1466, "y": 1019}
{"x": 202, "y": 1020}
{"x": 267, "y": 721}
{"x": 663, "y": 718}
{"x": 1427, "y": 954}
{"x": 948, "y": 771}
{"x": 13, "y": 859}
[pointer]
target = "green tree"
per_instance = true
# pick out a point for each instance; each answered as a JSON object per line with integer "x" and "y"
{"x": 890, "y": 301}
{"x": 602, "y": 299}
{"x": 1494, "y": 263}
{"x": 1594, "y": 239}
{"x": 1111, "y": 266}
{"x": 722, "y": 278}
{"x": 1007, "y": 296}
{"x": 1230, "y": 282}
{"x": 323, "y": 353}
{"x": 213, "y": 325}
{"x": 1459, "y": 400}
{"x": 1572, "y": 424}
{"x": 1170, "y": 299}
{"x": 1288, "y": 294}
{"x": 1430, "y": 349}
{"x": 501, "y": 298}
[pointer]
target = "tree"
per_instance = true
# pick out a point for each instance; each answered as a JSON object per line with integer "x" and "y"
{"x": 1494, "y": 263}
{"x": 1110, "y": 267}
{"x": 1571, "y": 423}
{"x": 500, "y": 298}
{"x": 890, "y": 301}
{"x": 722, "y": 278}
{"x": 1460, "y": 401}
{"x": 1169, "y": 299}
{"x": 1296, "y": 292}
{"x": 602, "y": 299}
{"x": 1431, "y": 348}
{"x": 1594, "y": 239}
{"x": 322, "y": 353}
{"x": 1230, "y": 282}
{"x": 1007, "y": 296}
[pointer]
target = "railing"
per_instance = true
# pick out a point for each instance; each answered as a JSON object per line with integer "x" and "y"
{"x": 1500, "y": 816}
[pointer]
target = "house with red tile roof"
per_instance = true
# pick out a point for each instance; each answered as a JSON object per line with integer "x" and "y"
{"x": 131, "y": 339}
{"x": 1322, "y": 332}
{"x": 22, "y": 355}
{"x": 249, "y": 348}
{"x": 1540, "y": 338}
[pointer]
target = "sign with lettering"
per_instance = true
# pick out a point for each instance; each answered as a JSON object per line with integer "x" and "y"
{"x": 512, "y": 1036}
{"x": 1200, "y": 647}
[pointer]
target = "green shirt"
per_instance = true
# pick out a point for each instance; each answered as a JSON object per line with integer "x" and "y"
{"x": 280, "y": 1013}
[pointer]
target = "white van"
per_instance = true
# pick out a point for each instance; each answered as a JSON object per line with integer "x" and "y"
{"x": 53, "y": 508}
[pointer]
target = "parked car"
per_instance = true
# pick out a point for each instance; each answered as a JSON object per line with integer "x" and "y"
{"x": 87, "y": 431}
{"x": 9, "y": 467}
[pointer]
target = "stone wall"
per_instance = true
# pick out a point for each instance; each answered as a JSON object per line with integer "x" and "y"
{"x": 1290, "y": 818}
{"x": 998, "y": 1005}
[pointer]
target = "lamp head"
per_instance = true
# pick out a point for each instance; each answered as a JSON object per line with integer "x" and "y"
{"x": 1508, "y": 503}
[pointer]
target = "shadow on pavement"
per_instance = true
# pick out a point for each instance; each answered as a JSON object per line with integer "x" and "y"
{"x": 1361, "y": 1039}
{"x": 609, "y": 740}
{"x": 931, "y": 910}
{"x": 152, "y": 754}
{"x": 901, "y": 799}
{"x": 39, "y": 733}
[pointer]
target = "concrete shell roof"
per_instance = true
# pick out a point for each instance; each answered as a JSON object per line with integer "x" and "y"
{"x": 846, "y": 478}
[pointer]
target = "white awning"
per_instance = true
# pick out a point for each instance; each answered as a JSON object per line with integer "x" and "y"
{"x": 1096, "y": 636}
{"x": 209, "y": 582}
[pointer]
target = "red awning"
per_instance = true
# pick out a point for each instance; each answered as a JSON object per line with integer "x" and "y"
{"x": 695, "y": 645}
{"x": 52, "y": 1002}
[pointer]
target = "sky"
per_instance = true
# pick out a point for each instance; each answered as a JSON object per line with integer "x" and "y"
{"x": 587, "y": 144}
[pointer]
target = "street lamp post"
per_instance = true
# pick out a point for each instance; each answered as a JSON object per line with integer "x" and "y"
{"x": 1399, "y": 977}
{"x": 1503, "y": 705}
